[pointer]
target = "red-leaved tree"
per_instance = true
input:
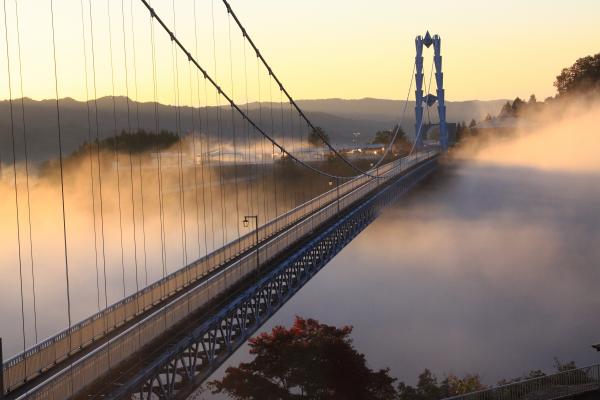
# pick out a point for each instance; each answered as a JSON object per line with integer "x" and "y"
{"x": 310, "y": 360}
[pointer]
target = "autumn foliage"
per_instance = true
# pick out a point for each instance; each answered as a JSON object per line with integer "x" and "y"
{"x": 310, "y": 360}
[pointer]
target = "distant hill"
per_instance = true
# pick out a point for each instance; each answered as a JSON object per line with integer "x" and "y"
{"x": 391, "y": 110}
{"x": 339, "y": 118}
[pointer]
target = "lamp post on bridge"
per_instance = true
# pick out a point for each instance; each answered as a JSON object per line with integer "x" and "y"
{"x": 246, "y": 223}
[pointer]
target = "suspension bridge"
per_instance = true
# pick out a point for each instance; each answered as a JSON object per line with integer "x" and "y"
{"x": 169, "y": 252}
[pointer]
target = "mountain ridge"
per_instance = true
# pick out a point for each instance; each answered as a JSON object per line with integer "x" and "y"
{"x": 338, "y": 117}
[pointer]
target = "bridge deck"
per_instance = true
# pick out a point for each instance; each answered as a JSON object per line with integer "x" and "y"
{"x": 96, "y": 347}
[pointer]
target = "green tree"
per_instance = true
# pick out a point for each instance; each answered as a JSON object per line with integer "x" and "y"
{"x": 310, "y": 360}
{"x": 472, "y": 124}
{"x": 581, "y": 77}
{"x": 316, "y": 137}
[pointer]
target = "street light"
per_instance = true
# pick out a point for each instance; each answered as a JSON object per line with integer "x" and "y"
{"x": 246, "y": 223}
{"x": 596, "y": 346}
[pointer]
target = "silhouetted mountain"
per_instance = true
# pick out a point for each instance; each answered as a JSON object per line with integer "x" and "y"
{"x": 391, "y": 110}
{"x": 339, "y": 118}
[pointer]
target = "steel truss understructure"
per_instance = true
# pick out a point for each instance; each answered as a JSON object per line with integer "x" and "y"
{"x": 177, "y": 372}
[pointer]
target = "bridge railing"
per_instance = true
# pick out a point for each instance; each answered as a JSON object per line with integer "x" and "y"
{"x": 549, "y": 387}
{"x": 45, "y": 355}
{"x": 99, "y": 361}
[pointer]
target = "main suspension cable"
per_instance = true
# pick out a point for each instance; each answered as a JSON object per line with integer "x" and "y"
{"x": 238, "y": 109}
{"x": 284, "y": 90}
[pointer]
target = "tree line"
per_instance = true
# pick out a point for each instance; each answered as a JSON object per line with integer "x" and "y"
{"x": 312, "y": 360}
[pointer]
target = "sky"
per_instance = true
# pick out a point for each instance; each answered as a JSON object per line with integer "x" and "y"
{"x": 319, "y": 49}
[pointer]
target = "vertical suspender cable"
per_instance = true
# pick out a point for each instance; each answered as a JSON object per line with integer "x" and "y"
{"x": 90, "y": 152}
{"x": 283, "y": 160}
{"x": 141, "y": 177}
{"x": 219, "y": 135}
{"x": 158, "y": 156}
{"x": 133, "y": 219}
{"x": 210, "y": 173}
{"x": 235, "y": 169}
{"x": 98, "y": 158}
{"x": 273, "y": 163}
{"x": 26, "y": 151}
{"x": 294, "y": 144}
{"x": 62, "y": 184}
{"x": 116, "y": 141}
{"x": 194, "y": 153}
{"x": 252, "y": 171}
{"x": 262, "y": 144}
{"x": 14, "y": 154}
{"x": 200, "y": 133}
{"x": 182, "y": 213}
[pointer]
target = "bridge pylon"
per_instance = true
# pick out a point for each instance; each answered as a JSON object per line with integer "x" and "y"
{"x": 429, "y": 100}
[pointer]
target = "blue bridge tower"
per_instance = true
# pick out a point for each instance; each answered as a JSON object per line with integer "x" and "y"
{"x": 430, "y": 99}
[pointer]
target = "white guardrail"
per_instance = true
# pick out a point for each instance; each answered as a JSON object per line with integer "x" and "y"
{"x": 550, "y": 387}
{"x": 275, "y": 238}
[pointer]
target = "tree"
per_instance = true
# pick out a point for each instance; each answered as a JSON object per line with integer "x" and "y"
{"x": 428, "y": 388}
{"x": 472, "y": 124}
{"x": 310, "y": 360}
{"x": 517, "y": 105}
{"x": 454, "y": 386}
{"x": 385, "y": 137}
{"x": 582, "y": 77}
{"x": 136, "y": 142}
{"x": 507, "y": 110}
{"x": 316, "y": 137}
{"x": 532, "y": 99}
{"x": 427, "y": 385}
